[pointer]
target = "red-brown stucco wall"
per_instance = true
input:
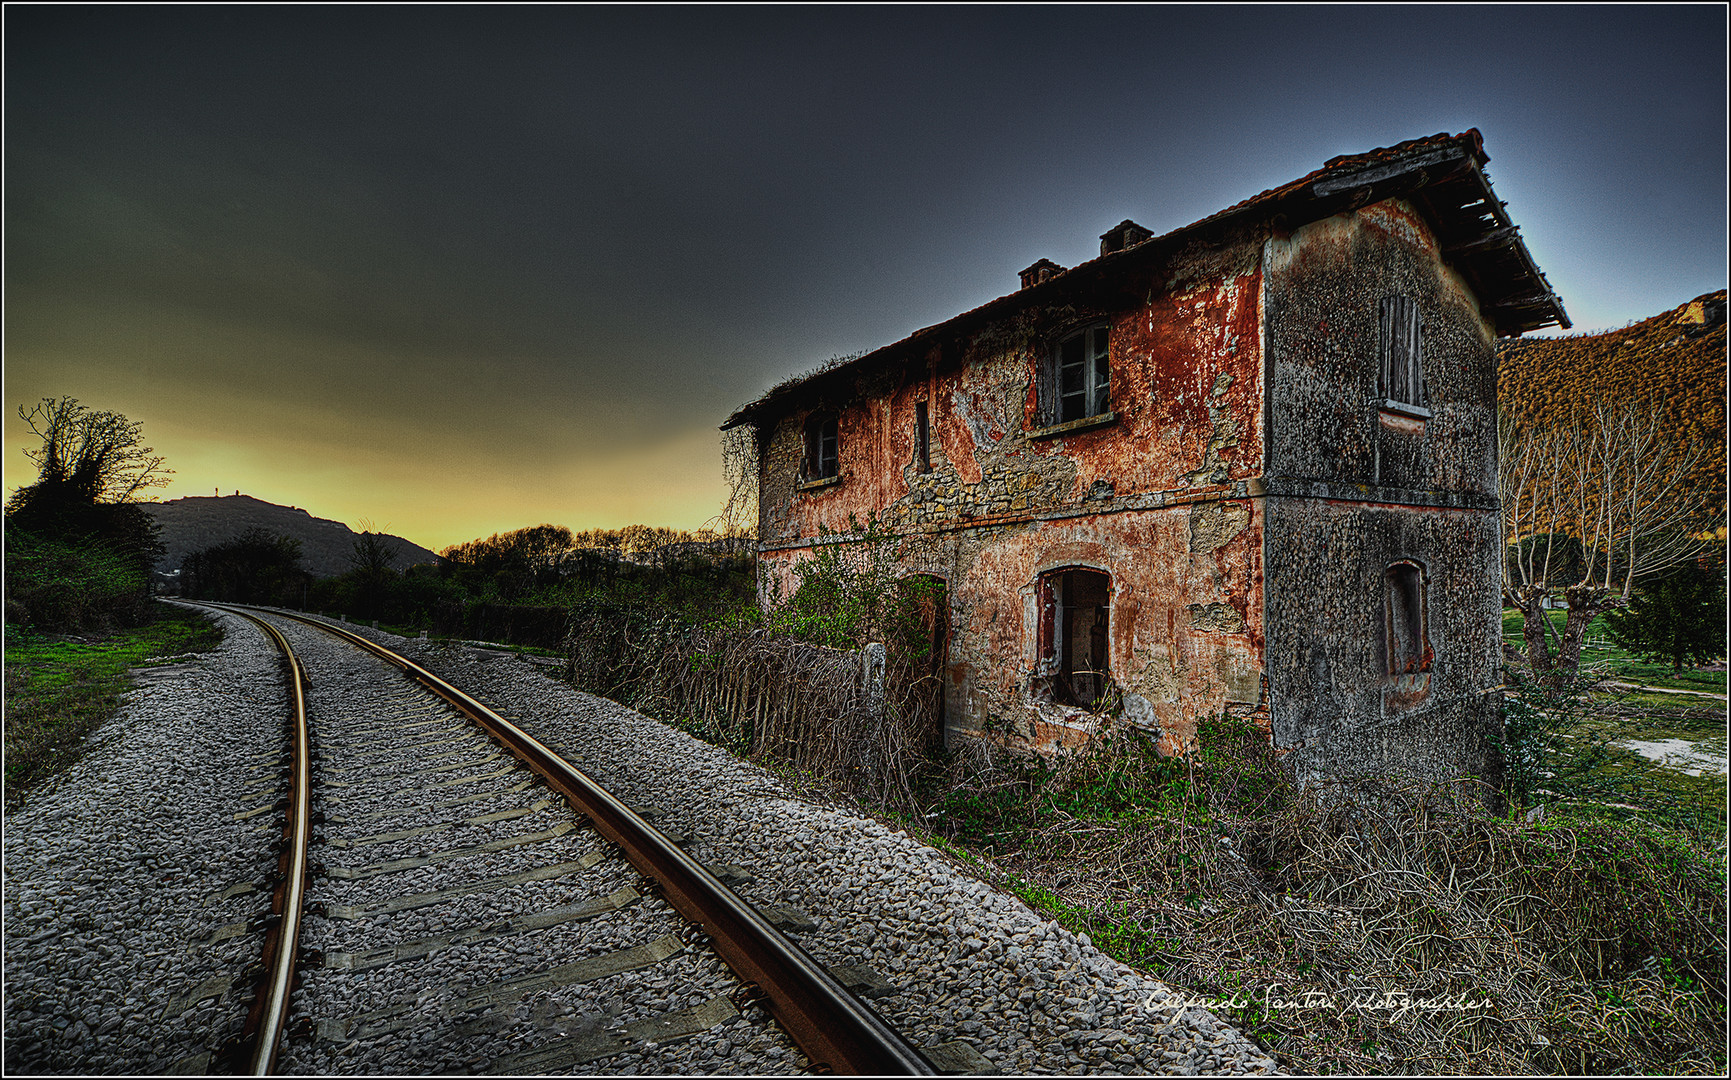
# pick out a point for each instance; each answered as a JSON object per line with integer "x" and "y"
{"x": 1162, "y": 499}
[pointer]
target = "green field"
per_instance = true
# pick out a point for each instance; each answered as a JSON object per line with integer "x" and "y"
{"x": 60, "y": 688}
{"x": 1603, "y": 654}
{"x": 1682, "y": 777}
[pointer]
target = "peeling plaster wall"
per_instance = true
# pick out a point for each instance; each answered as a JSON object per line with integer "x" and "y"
{"x": 1185, "y": 625}
{"x": 1187, "y": 390}
{"x": 1246, "y": 509}
{"x": 1352, "y": 489}
{"x": 1161, "y": 499}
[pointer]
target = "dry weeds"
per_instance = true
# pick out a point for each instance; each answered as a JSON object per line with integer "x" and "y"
{"x": 1383, "y": 927}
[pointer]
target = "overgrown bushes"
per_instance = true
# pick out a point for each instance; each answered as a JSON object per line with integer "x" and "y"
{"x": 83, "y": 585}
{"x": 257, "y": 567}
{"x": 792, "y": 682}
{"x": 1425, "y": 934}
{"x": 78, "y": 551}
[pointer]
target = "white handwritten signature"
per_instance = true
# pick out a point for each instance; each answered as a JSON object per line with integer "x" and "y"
{"x": 1395, "y": 1002}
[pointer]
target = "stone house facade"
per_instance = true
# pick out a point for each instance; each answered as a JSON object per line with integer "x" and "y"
{"x": 1246, "y": 467}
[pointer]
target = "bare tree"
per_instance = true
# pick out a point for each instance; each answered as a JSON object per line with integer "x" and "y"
{"x": 87, "y": 456}
{"x": 1592, "y": 506}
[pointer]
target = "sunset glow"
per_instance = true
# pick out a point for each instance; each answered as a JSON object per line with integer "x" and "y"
{"x": 454, "y": 271}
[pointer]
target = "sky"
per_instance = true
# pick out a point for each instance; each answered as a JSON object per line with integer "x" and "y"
{"x": 451, "y": 271}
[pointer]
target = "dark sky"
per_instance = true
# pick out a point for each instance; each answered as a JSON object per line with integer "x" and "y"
{"x": 460, "y": 270}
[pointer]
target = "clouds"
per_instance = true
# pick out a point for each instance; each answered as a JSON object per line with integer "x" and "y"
{"x": 532, "y": 240}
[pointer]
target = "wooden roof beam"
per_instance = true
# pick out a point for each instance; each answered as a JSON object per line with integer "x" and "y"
{"x": 1503, "y": 237}
{"x": 1531, "y": 300}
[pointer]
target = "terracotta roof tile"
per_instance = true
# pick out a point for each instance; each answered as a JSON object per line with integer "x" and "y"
{"x": 1342, "y": 166}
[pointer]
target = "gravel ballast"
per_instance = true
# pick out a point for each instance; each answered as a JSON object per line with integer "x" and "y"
{"x": 111, "y": 870}
{"x": 965, "y": 961}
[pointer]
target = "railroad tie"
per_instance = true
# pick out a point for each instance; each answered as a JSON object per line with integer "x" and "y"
{"x": 582, "y": 1049}
{"x": 415, "y": 900}
{"x": 403, "y": 1014}
{"x": 413, "y": 950}
{"x": 359, "y": 873}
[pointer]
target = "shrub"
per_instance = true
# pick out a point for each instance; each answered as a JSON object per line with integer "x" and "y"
{"x": 64, "y": 586}
{"x": 1583, "y": 943}
{"x": 1678, "y": 616}
{"x": 1545, "y": 748}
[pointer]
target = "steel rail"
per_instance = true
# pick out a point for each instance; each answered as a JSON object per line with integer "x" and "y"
{"x": 836, "y": 1030}
{"x": 282, "y": 944}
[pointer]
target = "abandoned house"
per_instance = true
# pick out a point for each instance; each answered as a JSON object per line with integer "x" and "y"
{"x": 1247, "y": 467}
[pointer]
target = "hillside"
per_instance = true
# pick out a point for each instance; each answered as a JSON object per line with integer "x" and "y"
{"x": 1673, "y": 362}
{"x": 197, "y": 522}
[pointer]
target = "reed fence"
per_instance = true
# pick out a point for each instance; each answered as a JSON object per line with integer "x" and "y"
{"x": 863, "y": 718}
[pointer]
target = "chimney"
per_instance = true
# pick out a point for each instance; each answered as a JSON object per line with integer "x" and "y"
{"x": 1041, "y": 271}
{"x": 1125, "y": 234}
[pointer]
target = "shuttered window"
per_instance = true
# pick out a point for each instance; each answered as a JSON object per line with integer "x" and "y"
{"x": 1400, "y": 349}
{"x": 822, "y": 447}
{"x": 1081, "y": 375}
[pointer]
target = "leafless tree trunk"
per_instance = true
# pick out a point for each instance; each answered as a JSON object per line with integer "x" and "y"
{"x": 1602, "y": 500}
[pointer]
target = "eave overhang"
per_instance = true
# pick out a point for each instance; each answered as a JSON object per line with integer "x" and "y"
{"x": 1442, "y": 177}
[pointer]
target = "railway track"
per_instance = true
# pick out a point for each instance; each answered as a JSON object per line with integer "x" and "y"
{"x": 481, "y": 904}
{"x": 461, "y": 917}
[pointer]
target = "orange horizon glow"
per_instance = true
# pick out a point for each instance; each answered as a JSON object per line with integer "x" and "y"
{"x": 675, "y": 483}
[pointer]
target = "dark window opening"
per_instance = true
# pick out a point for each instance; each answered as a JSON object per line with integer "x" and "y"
{"x": 922, "y": 438}
{"x": 1082, "y": 375}
{"x": 822, "y": 448}
{"x": 1409, "y": 650}
{"x": 1075, "y": 629}
{"x": 925, "y": 597}
{"x": 1399, "y": 351}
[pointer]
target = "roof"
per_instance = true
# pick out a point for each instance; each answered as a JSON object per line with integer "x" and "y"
{"x": 1442, "y": 175}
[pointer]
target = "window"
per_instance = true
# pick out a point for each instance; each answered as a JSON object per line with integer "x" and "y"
{"x": 1409, "y": 651}
{"x": 1081, "y": 376}
{"x": 922, "y": 438}
{"x": 1075, "y": 621}
{"x": 1399, "y": 349}
{"x": 822, "y": 447}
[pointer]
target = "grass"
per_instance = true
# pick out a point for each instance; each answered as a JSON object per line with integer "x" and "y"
{"x": 1589, "y": 941}
{"x": 1616, "y": 715}
{"x": 60, "y": 688}
{"x": 1618, "y": 663}
{"x": 1655, "y": 790}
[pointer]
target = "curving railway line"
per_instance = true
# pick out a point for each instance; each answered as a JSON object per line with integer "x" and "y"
{"x": 475, "y": 902}
{"x": 400, "y": 772}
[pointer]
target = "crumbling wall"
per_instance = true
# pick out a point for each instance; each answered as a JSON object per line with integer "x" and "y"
{"x": 1186, "y": 629}
{"x": 1323, "y": 286}
{"x": 1187, "y": 393}
{"x": 1162, "y": 498}
{"x": 1354, "y": 487}
{"x": 1334, "y": 703}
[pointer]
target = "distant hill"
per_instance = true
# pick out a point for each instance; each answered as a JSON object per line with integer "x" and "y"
{"x": 1674, "y": 362}
{"x": 197, "y": 522}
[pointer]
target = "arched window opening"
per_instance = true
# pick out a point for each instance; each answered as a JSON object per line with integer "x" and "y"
{"x": 1075, "y": 635}
{"x": 1407, "y": 636}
